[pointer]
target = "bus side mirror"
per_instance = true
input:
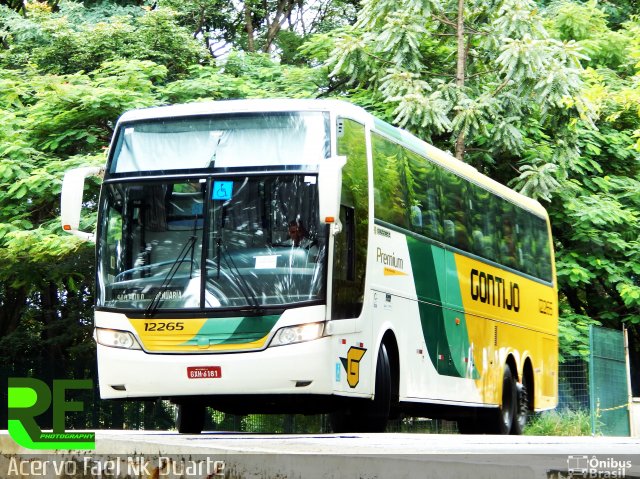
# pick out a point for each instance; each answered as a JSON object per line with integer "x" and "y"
{"x": 329, "y": 188}
{"x": 71, "y": 200}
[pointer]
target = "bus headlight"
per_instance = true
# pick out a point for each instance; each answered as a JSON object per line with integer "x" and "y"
{"x": 116, "y": 339}
{"x": 298, "y": 334}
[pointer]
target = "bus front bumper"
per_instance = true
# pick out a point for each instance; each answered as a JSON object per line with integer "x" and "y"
{"x": 303, "y": 368}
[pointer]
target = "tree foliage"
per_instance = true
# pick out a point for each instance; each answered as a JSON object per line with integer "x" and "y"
{"x": 514, "y": 70}
{"x": 549, "y": 103}
{"x": 66, "y": 75}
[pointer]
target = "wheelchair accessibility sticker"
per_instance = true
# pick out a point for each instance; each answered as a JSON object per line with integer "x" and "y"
{"x": 222, "y": 190}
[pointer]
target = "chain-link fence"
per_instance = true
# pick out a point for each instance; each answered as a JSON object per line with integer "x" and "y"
{"x": 608, "y": 381}
{"x": 573, "y": 385}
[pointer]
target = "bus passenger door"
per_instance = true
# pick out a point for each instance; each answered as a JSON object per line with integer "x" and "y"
{"x": 352, "y": 366}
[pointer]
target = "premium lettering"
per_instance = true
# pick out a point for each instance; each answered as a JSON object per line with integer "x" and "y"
{"x": 389, "y": 259}
{"x": 495, "y": 291}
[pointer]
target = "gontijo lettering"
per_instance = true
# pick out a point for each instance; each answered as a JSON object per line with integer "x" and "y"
{"x": 495, "y": 290}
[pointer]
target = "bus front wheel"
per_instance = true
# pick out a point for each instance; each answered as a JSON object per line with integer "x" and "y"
{"x": 373, "y": 415}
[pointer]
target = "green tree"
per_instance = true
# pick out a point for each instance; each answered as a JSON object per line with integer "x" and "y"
{"x": 595, "y": 206}
{"x": 267, "y": 26}
{"x": 456, "y": 70}
{"x": 78, "y": 39}
{"x": 66, "y": 75}
{"x": 545, "y": 99}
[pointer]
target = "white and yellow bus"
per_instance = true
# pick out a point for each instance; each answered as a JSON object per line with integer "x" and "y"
{"x": 302, "y": 256}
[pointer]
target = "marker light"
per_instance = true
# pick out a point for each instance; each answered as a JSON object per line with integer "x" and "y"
{"x": 298, "y": 334}
{"x": 116, "y": 339}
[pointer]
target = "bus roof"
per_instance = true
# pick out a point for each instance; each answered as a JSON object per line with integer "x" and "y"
{"x": 340, "y": 108}
{"x": 243, "y": 106}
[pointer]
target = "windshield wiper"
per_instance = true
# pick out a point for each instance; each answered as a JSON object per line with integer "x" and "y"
{"x": 182, "y": 257}
{"x": 242, "y": 283}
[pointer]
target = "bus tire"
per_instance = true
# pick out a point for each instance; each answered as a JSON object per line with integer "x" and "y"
{"x": 506, "y": 412}
{"x": 378, "y": 410}
{"x": 373, "y": 415}
{"x": 190, "y": 419}
{"x": 522, "y": 408}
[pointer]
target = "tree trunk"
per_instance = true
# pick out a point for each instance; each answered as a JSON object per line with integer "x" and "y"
{"x": 12, "y": 304}
{"x": 460, "y": 71}
{"x": 248, "y": 26}
{"x": 283, "y": 11}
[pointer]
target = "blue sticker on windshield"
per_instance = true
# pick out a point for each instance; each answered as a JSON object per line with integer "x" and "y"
{"x": 222, "y": 190}
{"x": 196, "y": 208}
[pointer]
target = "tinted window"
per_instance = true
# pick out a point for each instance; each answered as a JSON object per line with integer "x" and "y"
{"x": 423, "y": 192}
{"x": 350, "y": 255}
{"x": 389, "y": 187}
{"x": 454, "y": 210}
{"x": 481, "y": 221}
{"x": 415, "y": 193}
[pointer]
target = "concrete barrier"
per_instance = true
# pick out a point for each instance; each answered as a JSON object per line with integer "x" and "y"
{"x": 165, "y": 455}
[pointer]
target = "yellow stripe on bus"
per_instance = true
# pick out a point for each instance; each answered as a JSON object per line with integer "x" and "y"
{"x": 164, "y": 335}
{"x": 393, "y": 272}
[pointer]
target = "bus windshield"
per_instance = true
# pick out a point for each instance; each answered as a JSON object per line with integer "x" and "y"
{"x": 222, "y": 141}
{"x": 255, "y": 239}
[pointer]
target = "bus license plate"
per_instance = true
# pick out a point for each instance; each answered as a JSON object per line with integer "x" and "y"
{"x": 204, "y": 372}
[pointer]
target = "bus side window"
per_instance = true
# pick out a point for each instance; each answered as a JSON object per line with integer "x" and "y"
{"x": 507, "y": 246}
{"x": 350, "y": 256}
{"x": 347, "y": 290}
{"x": 388, "y": 169}
{"x": 345, "y": 265}
{"x": 474, "y": 219}
{"x": 481, "y": 221}
{"x": 540, "y": 249}
{"x": 523, "y": 241}
{"x": 455, "y": 208}
{"x": 422, "y": 181}
{"x": 113, "y": 224}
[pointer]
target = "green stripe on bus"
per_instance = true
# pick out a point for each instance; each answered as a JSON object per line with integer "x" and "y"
{"x": 233, "y": 330}
{"x": 456, "y": 332}
{"x": 447, "y": 342}
{"x": 424, "y": 266}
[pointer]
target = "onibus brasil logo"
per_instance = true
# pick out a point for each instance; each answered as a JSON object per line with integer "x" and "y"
{"x": 29, "y": 398}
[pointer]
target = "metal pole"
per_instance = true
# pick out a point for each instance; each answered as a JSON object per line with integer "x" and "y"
{"x": 593, "y": 406}
{"x": 632, "y": 430}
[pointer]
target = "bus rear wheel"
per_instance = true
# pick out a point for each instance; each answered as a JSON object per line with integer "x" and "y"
{"x": 373, "y": 415}
{"x": 522, "y": 407}
{"x": 190, "y": 418}
{"x": 506, "y": 413}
